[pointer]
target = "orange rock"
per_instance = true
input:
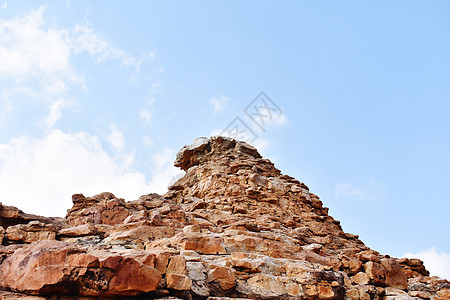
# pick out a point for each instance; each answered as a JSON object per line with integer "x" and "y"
{"x": 32, "y": 232}
{"x": 325, "y": 292}
{"x": 355, "y": 266}
{"x": 177, "y": 265}
{"x": 268, "y": 283}
{"x": 130, "y": 276}
{"x": 395, "y": 276}
{"x": 80, "y": 230}
{"x": 233, "y": 226}
{"x": 53, "y": 267}
{"x": 225, "y": 277}
{"x": 178, "y": 282}
{"x": 162, "y": 259}
{"x": 204, "y": 244}
{"x": 361, "y": 278}
{"x": 2, "y": 234}
{"x": 47, "y": 266}
{"x": 376, "y": 273}
{"x": 444, "y": 294}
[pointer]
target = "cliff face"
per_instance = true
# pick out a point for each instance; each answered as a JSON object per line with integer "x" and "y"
{"x": 232, "y": 227}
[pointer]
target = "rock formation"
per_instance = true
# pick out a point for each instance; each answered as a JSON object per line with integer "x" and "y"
{"x": 233, "y": 227}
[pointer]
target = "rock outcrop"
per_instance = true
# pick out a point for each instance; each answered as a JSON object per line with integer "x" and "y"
{"x": 233, "y": 227}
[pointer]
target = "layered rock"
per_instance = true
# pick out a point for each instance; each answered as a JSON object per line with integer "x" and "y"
{"x": 232, "y": 227}
{"x": 10, "y": 216}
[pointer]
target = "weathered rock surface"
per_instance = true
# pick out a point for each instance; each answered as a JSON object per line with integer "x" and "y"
{"x": 233, "y": 227}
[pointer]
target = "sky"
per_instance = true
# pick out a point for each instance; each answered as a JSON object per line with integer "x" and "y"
{"x": 350, "y": 97}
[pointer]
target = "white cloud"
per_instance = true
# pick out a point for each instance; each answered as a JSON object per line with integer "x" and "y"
{"x": 30, "y": 48}
{"x": 438, "y": 263}
{"x": 35, "y": 61}
{"x": 36, "y": 58}
{"x": 6, "y": 109}
{"x": 85, "y": 39}
{"x": 5, "y": 5}
{"x": 40, "y": 175}
{"x": 279, "y": 120}
{"x": 55, "y": 112}
{"x": 116, "y": 138}
{"x": 146, "y": 114}
{"x": 164, "y": 170}
{"x": 154, "y": 89}
{"x": 219, "y": 103}
{"x": 147, "y": 141}
{"x": 264, "y": 122}
{"x": 372, "y": 191}
{"x": 151, "y": 101}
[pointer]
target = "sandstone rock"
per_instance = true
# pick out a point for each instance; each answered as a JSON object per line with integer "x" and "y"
{"x": 2, "y": 235}
{"x": 352, "y": 294}
{"x": 177, "y": 265}
{"x": 420, "y": 294}
{"x": 5, "y": 295}
{"x": 355, "y": 266}
{"x": 444, "y": 294}
{"x": 130, "y": 277}
{"x": 395, "y": 276}
{"x": 44, "y": 267}
{"x": 204, "y": 244}
{"x": 178, "y": 282}
{"x": 327, "y": 292}
{"x": 223, "y": 276}
{"x": 50, "y": 267}
{"x": 361, "y": 278}
{"x": 376, "y": 273}
{"x": 103, "y": 208}
{"x": 162, "y": 259}
{"x": 232, "y": 227}
{"x": 202, "y": 148}
{"x": 413, "y": 267}
{"x": 80, "y": 230}
{"x": 10, "y": 216}
{"x": 32, "y": 232}
{"x": 268, "y": 284}
{"x": 198, "y": 274}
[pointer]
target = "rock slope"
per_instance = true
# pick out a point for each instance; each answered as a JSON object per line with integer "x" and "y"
{"x": 233, "y": 227}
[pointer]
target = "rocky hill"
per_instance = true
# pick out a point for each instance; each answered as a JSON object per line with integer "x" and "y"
{"x": 233, "y": 227}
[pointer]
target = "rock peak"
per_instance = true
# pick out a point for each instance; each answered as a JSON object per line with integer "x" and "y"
{"x": 204, "y": 148}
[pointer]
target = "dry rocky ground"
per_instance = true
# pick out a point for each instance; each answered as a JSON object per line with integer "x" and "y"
{"x": 233, "y": 227}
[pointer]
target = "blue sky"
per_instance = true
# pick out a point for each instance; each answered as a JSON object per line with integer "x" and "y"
{"x": 100, "y": 95}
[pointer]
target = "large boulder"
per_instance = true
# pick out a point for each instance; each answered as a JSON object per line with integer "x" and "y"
{"x": 53, "y": 267}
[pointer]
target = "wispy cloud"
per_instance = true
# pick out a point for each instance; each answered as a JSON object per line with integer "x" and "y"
{"x": 438, "y": 263}
{"x": 219, "y": 103}
{"x": 36, "y": 57}
{"x": 6, "y": 109}
{"x": 371, "y": 191}
{"x": 85, "y": 39}
{"x": 116, "y": 138}
{"x": 55, "y": 113}
{"x": 147, "y": 141}
{"x": 146, "y": 114}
